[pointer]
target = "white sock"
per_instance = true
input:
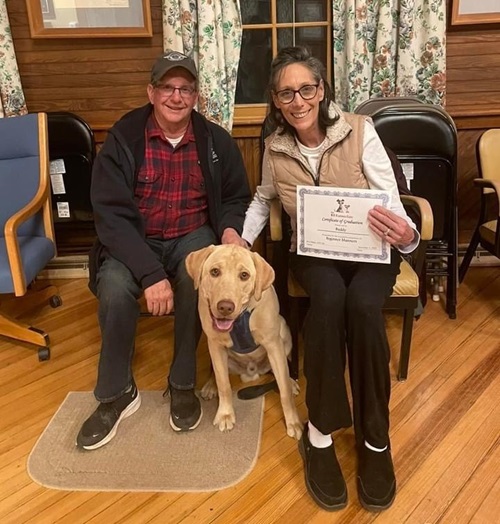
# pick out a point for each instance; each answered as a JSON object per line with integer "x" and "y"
{"x": 318, "y": 439}
{"x": 373, "y": 448}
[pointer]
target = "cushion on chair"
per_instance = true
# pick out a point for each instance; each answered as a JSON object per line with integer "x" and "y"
{"x": 16, "y": 141}
{"x": 25, "y": 169}
{"x": 407, "y": 283}
{"x": 487, "y": 231}
{"x": 36, "y": 252}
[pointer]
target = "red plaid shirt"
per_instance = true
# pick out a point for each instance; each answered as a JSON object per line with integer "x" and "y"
{"x": 170, "y": 191}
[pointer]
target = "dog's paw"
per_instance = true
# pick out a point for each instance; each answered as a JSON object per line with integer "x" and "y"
{"x": 209, "y": 390}
{"x": 295, "y": 386}
{"x": 225, "y": 421}
{"x": 294, "y": 429}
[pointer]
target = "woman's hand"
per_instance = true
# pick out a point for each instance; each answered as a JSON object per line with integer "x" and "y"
{"x": 390, "y": 227}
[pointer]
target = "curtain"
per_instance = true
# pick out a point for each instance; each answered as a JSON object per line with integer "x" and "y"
{"x": 210, "y": 32}
{"x": 12, "y": 102}
{"x": 389, "y": 48}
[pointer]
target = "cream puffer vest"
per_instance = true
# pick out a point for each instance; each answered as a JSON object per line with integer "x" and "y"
{"x": 340, "y": 163}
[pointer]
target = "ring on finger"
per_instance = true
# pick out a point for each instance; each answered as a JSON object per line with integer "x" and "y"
{"x": 388, "y": 231}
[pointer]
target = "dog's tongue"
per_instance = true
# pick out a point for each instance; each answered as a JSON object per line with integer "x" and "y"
{"x": 222, "y": 324}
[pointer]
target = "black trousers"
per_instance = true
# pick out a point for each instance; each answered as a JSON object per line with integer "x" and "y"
{"x": 118, "y": 292}
{"x": 345, "y": 320}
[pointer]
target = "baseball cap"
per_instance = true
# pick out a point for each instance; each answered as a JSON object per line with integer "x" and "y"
{"x": 167, "y": 61}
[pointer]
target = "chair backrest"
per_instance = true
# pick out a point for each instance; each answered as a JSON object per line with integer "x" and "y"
{"x": 368, "y": 107}
{"x": 488, "y": 156}
{"x": 23, "y": 168}
{"x": 424, "y": 138}
{"x": 72, "y": 143}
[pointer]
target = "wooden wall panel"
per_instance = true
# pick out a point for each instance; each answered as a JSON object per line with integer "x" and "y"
{"x": 98, "y": 78}
{"x": 473, "y": 100}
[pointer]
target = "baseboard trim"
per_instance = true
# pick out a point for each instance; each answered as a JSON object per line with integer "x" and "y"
{"x": 71, "y": 266}
{"x": 481, "y": 258}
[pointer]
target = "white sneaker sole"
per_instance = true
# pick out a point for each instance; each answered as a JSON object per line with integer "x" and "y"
{"x": 179, "y": 430}
{"x": 129, "y": 410}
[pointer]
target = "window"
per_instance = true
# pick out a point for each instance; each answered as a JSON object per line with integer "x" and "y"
{"x": 268, "y": 26}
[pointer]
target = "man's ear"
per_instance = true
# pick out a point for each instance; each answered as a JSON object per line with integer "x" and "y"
{"x": 150, "y": 91}
{"x": 264, "y": 275}
{"x": 195, "y": 262}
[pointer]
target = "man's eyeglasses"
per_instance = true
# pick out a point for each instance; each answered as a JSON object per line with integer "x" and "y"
{"x": 286, "y": 96}
{"x": 168, "y": 90}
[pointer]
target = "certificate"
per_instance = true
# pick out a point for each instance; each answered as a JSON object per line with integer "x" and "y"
{"x": 332, "y": 223}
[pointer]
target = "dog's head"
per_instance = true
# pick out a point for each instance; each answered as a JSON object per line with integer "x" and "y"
{"x": 228, "y": 277}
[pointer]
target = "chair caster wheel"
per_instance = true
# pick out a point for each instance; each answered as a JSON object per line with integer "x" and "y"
{"x": 43, "y": 354}
{"x": 55, "y": 301}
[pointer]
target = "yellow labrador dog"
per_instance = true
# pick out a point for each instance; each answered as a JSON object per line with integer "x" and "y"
{"x": 239, "y": 313}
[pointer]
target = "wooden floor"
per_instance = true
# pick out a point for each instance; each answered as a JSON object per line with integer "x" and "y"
{"x": 445, "y": 425}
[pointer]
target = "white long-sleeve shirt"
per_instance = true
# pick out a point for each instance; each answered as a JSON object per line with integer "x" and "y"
{"x": 377, "y": 169}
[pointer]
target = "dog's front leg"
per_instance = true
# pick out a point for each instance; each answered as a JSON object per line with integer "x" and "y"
{"x": 225, "y": 417}
{"x": 277, "y": 359}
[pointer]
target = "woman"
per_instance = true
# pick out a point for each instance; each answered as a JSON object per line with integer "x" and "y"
{"x": 317, "y": 144}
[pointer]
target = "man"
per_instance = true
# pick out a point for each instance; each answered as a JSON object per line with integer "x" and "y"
{"x": 166, "y": 182}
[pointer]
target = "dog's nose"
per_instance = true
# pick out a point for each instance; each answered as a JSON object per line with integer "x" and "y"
{"x": 225, "y": 307}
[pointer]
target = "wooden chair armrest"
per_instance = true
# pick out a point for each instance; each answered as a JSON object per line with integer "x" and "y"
{"x": 30, "y": 209}
{"x": 275, "y": 224}
{"x": 425, "y": 211}
{"x": 488, "y": 186}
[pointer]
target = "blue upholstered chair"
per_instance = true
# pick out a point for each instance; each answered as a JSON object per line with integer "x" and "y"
{"x": 26, "y": 228}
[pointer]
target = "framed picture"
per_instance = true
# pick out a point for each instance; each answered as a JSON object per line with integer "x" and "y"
{"x": 474, "y": 12}
{"x": 89, "y": 18}
{"x": 47, "y": 9}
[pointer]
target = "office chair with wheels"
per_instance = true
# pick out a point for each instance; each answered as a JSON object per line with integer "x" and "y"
{"x": 487, "y": 231}
{"x": 26, "y": 228}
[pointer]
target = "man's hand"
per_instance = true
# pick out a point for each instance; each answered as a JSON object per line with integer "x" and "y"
{"x": 391, "y": 227}
{"x": 231, "y": 236}
{"x": 159, "y": 298}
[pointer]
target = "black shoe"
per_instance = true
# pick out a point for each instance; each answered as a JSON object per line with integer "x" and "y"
{"x": 376, "y": 480}
{"x": 324, "y": 479}
{"x": 185, "y": 409}
{"x": 101, "y": 426}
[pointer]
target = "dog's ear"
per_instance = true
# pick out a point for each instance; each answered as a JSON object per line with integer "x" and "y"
{"x": 264, "y": 275}
{"x": 195, "y": 262}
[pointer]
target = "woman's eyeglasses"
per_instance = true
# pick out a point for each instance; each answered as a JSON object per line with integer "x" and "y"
{"x": 168, "y": 90}
{"x": 286, "y": 96}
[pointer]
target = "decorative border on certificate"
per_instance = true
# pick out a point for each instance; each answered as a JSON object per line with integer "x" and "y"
{"x": 338, "y": 224}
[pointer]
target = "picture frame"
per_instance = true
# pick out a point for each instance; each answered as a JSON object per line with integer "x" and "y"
{"x": 467, "y": 12}
{"x": 89, "y": 18}
{"x": 47, "y": 7}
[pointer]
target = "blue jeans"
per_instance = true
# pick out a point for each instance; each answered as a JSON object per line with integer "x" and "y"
{"x": 118, "y": 292}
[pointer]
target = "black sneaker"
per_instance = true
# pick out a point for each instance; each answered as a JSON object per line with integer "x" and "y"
{"x": 101, "y": 426}
{"x": 376, "y": 480}
{"x": 323, "y": 475}
{"x": 185, "y": 409}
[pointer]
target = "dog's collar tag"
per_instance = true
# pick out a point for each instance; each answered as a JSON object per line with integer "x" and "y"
{"x": 241, "y": 335}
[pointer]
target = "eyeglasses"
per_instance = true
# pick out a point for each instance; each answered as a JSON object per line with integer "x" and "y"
{"x": 168, "y": 90}
{"x": 286, "y": 96}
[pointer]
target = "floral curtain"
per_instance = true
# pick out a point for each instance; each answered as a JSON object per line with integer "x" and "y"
{"x": 12, "y": 101}
{"x": 389, "y": 48}
{"x": 210, "y": 32}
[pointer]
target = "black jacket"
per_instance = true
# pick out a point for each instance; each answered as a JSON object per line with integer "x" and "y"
{"x": 119, "y": 224}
